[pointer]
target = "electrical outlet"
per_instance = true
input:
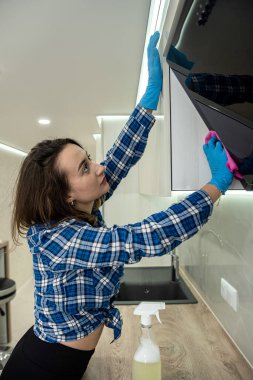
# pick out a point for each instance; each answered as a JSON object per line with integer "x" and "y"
{"x": 229, "y": 293}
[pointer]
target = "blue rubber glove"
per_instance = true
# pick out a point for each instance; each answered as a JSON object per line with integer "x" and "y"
{"x": 216, "y": 156}
{"x": 155, "y": 77}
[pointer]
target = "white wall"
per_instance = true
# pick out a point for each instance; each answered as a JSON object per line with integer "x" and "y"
{"x": 20, "y": 260}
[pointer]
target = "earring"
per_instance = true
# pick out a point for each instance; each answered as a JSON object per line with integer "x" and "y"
{"x": 73, "y": 203}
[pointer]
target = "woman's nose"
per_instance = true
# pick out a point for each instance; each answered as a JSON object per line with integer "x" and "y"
{"x": 100, "y": 169}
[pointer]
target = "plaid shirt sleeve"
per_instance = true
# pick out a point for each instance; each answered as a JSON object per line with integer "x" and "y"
{"x": 128, "y": 147}
{"x": 80, "y": 245}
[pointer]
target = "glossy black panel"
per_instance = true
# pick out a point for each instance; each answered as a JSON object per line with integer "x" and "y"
{"x": 212, "y": 48}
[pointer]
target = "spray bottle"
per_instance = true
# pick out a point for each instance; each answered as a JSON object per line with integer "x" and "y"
{"x": 147, "y": 360}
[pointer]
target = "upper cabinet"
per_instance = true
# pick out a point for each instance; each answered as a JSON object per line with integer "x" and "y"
{"x": 155, "y": 165}
{"x": 174, "y": 158}
{"x": 210, "y": 52}
{"x": 110, "y": 130}
{"x": 190, "y": 170}
{"x": 223, "y": 102}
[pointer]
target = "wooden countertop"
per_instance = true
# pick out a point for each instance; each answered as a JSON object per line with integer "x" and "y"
{"x": 193, "y": 347}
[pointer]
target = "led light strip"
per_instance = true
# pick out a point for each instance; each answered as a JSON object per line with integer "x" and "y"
{"x": 157, "y": 13}
{"x": 10, "y": 149}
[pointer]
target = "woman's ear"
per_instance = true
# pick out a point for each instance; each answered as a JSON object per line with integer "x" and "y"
{"x": 69, "y": 199}
{"x": 73, "y": 203}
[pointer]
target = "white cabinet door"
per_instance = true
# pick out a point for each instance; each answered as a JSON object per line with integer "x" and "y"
{"x": 190, "y": 170}
{"x": 155, "y": 165}
{"x": 111, "y": 129}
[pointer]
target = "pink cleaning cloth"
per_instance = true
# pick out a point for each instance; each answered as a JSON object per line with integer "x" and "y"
{"x": 230, "y": 162}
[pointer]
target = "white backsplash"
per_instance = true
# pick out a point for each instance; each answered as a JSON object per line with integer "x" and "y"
{"x": 224, "y": 249}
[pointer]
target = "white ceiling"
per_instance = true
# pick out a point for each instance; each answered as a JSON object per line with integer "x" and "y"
{"x": 67, "y": 60}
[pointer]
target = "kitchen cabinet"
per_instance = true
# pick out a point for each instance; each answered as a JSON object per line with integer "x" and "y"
{"x": 155, "y": 165}
{"x": 110, "y": 130}
{"x": 174, "y": 153}
{"x": 190, "y": 169}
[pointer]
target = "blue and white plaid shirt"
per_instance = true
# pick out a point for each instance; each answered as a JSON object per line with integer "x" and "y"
{"x": 78, "y": 267}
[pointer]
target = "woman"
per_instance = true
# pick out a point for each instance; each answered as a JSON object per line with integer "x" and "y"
{"x": 78, "y": 262}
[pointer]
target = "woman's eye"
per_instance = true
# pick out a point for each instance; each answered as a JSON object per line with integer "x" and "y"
{"x": 85, "y": 167}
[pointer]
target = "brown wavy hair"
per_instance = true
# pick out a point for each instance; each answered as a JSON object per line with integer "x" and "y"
{"x": 42, "y": 190}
